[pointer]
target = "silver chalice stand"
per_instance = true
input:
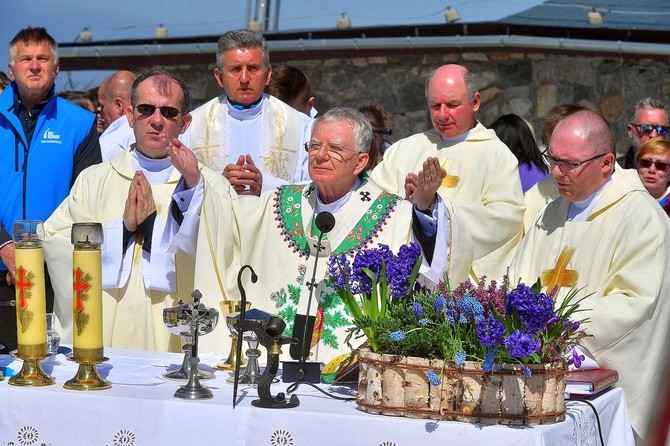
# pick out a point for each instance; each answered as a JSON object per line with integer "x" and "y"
{"x": 252, "y": 372}
{"x": 190, "y": 321}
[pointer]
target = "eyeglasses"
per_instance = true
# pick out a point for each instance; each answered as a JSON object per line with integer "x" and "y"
{"x": 382, "y": 130}
{"x": 564, "y": 165}
{"x": 148, "y": 110}
{"x": 661, "y": 166}
{"x": 646, "y": 129}
{"x": 335, "y": 152}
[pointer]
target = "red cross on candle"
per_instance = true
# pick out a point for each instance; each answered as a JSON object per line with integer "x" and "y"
{"x": 80, "y": 286}
{"x": 22, "y": 284}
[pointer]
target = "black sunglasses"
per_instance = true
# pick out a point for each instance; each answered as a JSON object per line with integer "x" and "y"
{"x": 148, "y": 110}
{"x": 382, "y": 130}
{"x": 661, "y": 166}
{"x": 646, "y": 129}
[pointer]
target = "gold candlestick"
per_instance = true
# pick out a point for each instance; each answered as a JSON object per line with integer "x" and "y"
{"x": 31, "y": 315}
{"x": 229, "y": 307}
{"x": 87, "y": 347}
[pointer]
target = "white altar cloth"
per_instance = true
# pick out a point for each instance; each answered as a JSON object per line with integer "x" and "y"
{"x": 146, "y": 413}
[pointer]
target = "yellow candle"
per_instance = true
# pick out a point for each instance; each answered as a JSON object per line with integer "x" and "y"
{"x": 87, "y": 298}
{"x": 30, "y": 299}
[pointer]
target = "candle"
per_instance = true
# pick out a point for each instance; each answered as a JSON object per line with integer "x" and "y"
{"x": 31, "y": 318}
{"x": 87, "y": 292}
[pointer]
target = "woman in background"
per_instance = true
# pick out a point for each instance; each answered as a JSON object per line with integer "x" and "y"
{"x": 517, "y": 135}
{"x": 653, "y": 166}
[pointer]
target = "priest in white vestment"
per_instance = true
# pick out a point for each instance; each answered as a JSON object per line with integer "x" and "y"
{"x": 130, "y": 195}
{"x": 608, "y": 238}
{"x": 253, "y": 139}
{"x": 276, "y": 233}
{"x": 482, "y": 181}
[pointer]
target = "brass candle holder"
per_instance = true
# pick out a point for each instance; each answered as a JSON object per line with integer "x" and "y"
{"x": 229, "y": 307}
{"x": 88, "y": 350}
{"x": 28, "y": 236}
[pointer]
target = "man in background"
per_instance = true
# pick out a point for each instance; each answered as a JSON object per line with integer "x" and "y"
{"x": 114, "y": 100}
{"x": 255, "y": 140}
{"x": 649, "y": 120}
{"x": 47, "y": 141}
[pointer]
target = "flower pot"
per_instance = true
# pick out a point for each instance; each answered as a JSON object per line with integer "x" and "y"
{"x": 399, "y": 386}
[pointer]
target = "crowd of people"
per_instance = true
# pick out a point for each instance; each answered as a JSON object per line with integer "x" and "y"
{"x": 188, "y": 196}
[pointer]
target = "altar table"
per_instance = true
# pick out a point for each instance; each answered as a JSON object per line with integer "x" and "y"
{"x": 140, "y": 409}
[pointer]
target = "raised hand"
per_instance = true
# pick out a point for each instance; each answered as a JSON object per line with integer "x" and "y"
{"x": 411, "y": 181}
{"x": 429, "y": 181}
{"x": 184, "y": 161}
{"x": 244, "y": 173}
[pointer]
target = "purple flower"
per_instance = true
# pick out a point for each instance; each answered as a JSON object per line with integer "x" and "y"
{"x": 490, "y": 331}
{"x": 418, "y": 309}
{"x": 520, "y": 345}
{"x": 535, "y": 311}
{"x": 399, "y": 268}
{"x": 371, "y": 259}
{"x": 576, "y": 358}
{"x": 397, "y": 336}
{"x": 433, "y": 379}
{"x": 340, "y": 270}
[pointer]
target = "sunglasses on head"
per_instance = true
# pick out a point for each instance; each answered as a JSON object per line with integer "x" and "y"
{"x": 662, "y": 166}
{"x": 646, "y": 129}
{"x": 148, "y": 110}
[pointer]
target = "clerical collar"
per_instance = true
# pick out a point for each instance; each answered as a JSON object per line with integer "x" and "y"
{"x": 239, "y": 111}
{"x": 337, "y": 204}
{"x": 150, "y": 164}
{"x": 581, "y": 210}
{"x": 460, "y": 138}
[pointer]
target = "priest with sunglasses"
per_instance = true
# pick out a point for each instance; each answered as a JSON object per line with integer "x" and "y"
{"x": 608, "y": 240}
{"x": 131, "y": 196}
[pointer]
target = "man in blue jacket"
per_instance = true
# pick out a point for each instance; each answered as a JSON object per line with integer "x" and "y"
{"x": 45, "y": 141}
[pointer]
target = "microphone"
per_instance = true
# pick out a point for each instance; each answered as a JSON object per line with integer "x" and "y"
{"x": 325, "y": 222}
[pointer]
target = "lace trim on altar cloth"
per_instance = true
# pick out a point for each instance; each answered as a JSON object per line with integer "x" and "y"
{"x": 282, "y": 437}
{"x": 583, "y": 423}
{"x": 29, "y": 436}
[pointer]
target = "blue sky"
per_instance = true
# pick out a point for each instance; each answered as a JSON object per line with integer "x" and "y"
{"x": 124, "y": 19}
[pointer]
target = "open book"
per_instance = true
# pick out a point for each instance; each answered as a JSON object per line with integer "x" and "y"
{"x": 589, "y": 382}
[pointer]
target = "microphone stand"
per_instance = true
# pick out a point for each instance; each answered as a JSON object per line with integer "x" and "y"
{"x": 304, "y": 370}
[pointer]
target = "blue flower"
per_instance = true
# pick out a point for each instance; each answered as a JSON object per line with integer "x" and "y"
{"x": 440, "y": 303}
{"x": 526, "y": 371}
{"x": 460, "y": 358}
{"x": 399, "y": 268}
{"x": 418, "y": 309}
{"x": 424, "y": 322}
{"x": 489, "y": 361}
{"x": 535, "y": 311}
{"x": 470, "y": 306}
{"x": 433, "y": 379}
{"x": 490, "y": 331}
{"x": 520, "y": 345}
{"x": 397, "y": 336}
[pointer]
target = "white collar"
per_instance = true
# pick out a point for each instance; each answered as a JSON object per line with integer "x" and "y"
{"x": 336, "y": 205}
{"x": 581, "y": 210}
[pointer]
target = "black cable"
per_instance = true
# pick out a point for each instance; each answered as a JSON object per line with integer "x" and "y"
{"x": 600, "y": 432}
{"x": 293, "y": 387}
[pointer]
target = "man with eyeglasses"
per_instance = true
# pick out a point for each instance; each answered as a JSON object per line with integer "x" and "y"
{"x": 649, "y": 120}
{"x": 608, "y": 239}
{"x": 131, "y": 196}
{"x": 46, "y": 142}
{"x": 277, "y": 232}
{"x": 250, "y": 137}
{"x": 481, "y": 179}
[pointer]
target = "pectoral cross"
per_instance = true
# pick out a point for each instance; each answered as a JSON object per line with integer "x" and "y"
{"x": 450, "y": 180}
{"x": 79, "y": 286}
{"x": 560, "y": 276}
{"x": 22, "y": 284}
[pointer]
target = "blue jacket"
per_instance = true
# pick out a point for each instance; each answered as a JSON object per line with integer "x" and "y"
{"x": 36, "y": 178}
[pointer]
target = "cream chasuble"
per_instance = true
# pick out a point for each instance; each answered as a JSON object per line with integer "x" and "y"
{"x": 137, "y": 286}
{"x": 482, "y": 185}
{"x": 620, "y": 257}
{"x": 278, "y": 152}
{"x": 275, "y": 234}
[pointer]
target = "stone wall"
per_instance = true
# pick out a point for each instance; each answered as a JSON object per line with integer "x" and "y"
{"x": 527, "y": 84}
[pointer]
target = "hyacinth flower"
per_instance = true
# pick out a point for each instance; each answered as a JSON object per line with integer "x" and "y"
{"x": 374, "y": 279}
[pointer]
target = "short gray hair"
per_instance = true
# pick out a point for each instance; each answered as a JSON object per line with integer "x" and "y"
{"x": 647, "y": 104}
{"x": 241, "y": 38}
{"x": 362, "y": 127}
{"x": 470, "y": 81}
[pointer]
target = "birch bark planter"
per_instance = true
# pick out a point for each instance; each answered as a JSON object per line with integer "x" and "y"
{"x": 398, "y": 386}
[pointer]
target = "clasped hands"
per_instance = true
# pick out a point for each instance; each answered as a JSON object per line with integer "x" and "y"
{"x": 421, "y": 188}
{"x": 242, "y": 174}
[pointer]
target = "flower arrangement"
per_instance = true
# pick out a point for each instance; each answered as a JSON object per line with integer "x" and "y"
{"x": 489, "y": 323}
